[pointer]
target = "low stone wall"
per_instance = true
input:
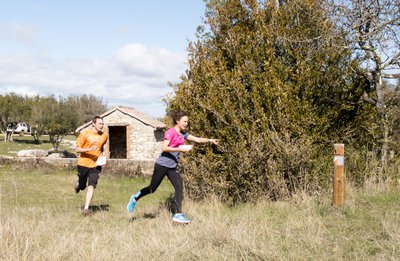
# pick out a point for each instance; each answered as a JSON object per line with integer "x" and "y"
{"x": 117, "y": 167}
{"x": 129, "y": 168}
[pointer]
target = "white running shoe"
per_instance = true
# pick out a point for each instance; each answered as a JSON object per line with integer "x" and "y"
{"x": 180, "y": 218}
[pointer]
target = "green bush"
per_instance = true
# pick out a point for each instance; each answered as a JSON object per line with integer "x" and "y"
{"x": 270, "y": 83}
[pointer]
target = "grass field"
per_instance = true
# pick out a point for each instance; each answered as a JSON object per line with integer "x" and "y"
{"x": 41, "y": 220}
{"x": 27, "y": 142}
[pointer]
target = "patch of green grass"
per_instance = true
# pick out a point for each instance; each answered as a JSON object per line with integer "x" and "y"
{"x": 27, "y": 142}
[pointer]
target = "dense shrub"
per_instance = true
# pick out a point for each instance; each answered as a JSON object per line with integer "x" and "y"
{"x": 271, "y": 84}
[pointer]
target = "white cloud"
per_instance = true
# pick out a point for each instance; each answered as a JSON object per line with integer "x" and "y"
{"x": 136, "y": 76}
{"x": 149, "y": 61}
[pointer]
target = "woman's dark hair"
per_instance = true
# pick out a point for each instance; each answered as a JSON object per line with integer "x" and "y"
{"x": 177, "y": 115}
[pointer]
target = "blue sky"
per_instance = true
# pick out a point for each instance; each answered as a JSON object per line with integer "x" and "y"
{"x": 125, "y": 51}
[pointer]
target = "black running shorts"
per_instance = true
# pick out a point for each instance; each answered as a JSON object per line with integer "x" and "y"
{"x": 88, "y": 176}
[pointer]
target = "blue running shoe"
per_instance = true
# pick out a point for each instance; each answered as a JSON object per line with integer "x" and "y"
{"x": 131, "y": 205}
{"x": 180, "y": 218}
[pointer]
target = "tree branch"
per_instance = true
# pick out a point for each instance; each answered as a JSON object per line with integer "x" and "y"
{"x": 368, "y": 99}
{"x": 393, "y": 60}
{"x": 391, "y": 75}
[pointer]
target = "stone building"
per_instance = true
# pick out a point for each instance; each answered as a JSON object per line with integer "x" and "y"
{"x": 132, "y": 135}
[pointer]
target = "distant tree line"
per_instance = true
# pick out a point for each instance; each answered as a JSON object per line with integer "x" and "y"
{"x": 55, "y": 116}
{"x": 279, "y": 82}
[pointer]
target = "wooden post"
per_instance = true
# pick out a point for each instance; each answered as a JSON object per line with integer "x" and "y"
{"x": 338, "y": 177}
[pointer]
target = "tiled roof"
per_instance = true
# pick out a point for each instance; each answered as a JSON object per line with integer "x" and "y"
{"x": 132, "y": 112}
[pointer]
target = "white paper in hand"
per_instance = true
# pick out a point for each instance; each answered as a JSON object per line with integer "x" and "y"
{"x": 188, "y": 147}
{"x": 101, "y": 161}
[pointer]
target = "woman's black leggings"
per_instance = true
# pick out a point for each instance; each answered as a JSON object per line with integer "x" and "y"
{"x": 174, "y": 177}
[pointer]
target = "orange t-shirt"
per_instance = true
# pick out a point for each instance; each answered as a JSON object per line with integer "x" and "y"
{"x": 86, "y": 140}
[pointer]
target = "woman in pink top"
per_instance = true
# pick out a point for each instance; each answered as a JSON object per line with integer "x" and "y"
{"x": 167, "y": 163}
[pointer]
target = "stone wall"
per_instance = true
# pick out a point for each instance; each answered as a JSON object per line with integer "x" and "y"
{"x": 115, "y": 167}
{"x": 144, "y": 143}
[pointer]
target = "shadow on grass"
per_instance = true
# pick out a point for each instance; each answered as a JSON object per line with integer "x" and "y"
{"x": 167, "y": 204}
{"x": 25, "y": 141}
{"x": 150, "y": 215}
{"x": 98, "y": 208}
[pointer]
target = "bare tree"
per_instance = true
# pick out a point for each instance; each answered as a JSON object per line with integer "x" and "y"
{"x": 372, "y": 28}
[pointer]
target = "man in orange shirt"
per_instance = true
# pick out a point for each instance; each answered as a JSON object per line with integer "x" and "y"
{"x": 90, "y": 145}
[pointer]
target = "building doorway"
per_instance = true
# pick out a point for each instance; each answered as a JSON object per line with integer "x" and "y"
{"x": 117, "y": 139}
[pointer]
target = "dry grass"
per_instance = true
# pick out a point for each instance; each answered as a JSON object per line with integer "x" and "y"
{"x": 40, "y": 220}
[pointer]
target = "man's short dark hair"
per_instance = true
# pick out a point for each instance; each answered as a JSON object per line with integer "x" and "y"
{"x": 95, "y": 118}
